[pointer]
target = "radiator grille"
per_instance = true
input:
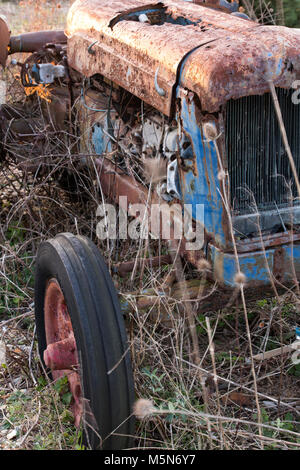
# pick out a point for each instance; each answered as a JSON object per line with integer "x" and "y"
{"x": 257, "y": 162}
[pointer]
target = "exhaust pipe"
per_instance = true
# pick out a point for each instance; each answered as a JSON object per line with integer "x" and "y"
{"x": 28, "y": 42}
{"x": 33, "y": 42}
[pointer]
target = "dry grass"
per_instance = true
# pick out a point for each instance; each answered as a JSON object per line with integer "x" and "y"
{"x": 220, "y": 401}
{"x": 31, "y": 15}
{"x": 261, "y": 11}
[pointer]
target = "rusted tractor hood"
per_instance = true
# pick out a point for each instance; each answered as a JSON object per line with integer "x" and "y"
{"x": 242, "y": 64}
{"x": 214, "y": 54}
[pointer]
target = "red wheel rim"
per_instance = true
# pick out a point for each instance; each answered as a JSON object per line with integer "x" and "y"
{"x": 61, "y": 354}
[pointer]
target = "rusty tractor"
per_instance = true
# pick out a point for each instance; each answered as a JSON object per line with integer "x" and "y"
{"x": 204, "y": 100}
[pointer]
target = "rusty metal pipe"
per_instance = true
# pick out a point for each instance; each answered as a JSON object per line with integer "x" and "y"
{"x": 127, "y": 267}
{"x": 33, "y": 42}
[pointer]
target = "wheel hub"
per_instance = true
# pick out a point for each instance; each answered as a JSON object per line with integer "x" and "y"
{"x": 61, "y": 353}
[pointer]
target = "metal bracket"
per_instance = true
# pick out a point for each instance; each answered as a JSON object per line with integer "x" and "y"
{"x": 173, "y": 184}
{"x": 159, "y": 90}
{"x": 47, "y": 73}
{"x": 90, "y": 48}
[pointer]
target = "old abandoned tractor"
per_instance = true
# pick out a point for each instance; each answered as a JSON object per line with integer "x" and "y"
{"x": 202, "y": 94}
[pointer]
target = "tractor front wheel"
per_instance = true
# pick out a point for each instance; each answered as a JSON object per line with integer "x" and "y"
{"x": 81, "y": 335}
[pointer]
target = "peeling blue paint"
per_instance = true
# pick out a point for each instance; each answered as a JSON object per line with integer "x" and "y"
{"x": 200, "y": 184}
{"x": 256, "y": 266}
{"x": 98, "y": 140}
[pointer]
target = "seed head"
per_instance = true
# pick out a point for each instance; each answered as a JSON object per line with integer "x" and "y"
{"x": 210, "y": 131}
{"x": 221, "y": 175}
{"x": 240, "y": 278}
{"x": 143, "y": 408}
{"x": 203, "y": 265}
{"x": 155, "y": 169}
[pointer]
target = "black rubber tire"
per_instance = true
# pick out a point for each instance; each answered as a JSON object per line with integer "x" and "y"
{"x": 76, "y": 263}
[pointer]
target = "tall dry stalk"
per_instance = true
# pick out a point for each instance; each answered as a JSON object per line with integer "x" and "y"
{"x": 280, "y": 12}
